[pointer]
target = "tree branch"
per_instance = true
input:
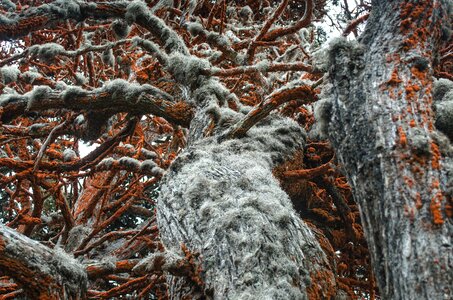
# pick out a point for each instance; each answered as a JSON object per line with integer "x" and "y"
{"x": 303, "y": 22}
{"x": 45, "y": 272}
{"x": 292, "y": 91}
{"x": 116, "y": 96}
{"x": 276, "y": 67}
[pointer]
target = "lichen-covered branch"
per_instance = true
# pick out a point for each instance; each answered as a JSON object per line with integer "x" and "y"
{"x": 44, "y": 272}
{"x": 292, "y": 91}
{"x": 116, "y": 96}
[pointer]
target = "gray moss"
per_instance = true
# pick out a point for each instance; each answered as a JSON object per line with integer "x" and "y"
{"x": 441, "y": 88}
{"x": 148, "y": 154}
{"x": 8, "y": 5}
{"x": 320, "y": 59}
{"x": 212, "y": 92}
{"x": 322, "y": 114}
{"x": 159, "y": 261}
{"x": 245, "y": 13}
{"x": 30, "y": 76}
{"x": 171, "y": 40}
{"x": 64, "y": 270}
{"x": 231, "y": 12}
{"x": 147, "y": 166}
{"x": 38, "y": 94}
{"x": 444, "y": 115}
{"x": 120, "y": 28}
{"x": 187, "y": 70}
{"x": 348, "y": 54}
{"x": 75, "y": 237}
{"x": 195, "y": 28}
{"x": 152, "y": 48}
{"x": 69, "y": 155}
{"x": 61, "y": 86}
{"x": 135, "y": 9}
{"x": 9, "y": 74}
{"x": 116, "y": 88}
{"x": 73, "y": 92}
{"x": 161, "y": 4}
{"x": 68, "y": 9}
{"x": 8, "y": 20}
{"x": 7, "y": 98}
{"x": 419, "y": 142}
{"x": 448, "y": 169}
{"x": 47, "y": 52}
{"x": 36, "y": 127}
{"x": 80, "y": 78}
{"x": 444, "y": 143}
{"x": 108, "y": 58}
{"x": 106, "y": 164}
{"x": 263, "y": 65}
{"x": 129, "y": 163}
{"x": 157, "y": 171}
{"x": 79, "y": 120}
{"x": 122, "y": 90}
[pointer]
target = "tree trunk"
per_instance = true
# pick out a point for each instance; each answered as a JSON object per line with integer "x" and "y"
{"x": 221, "y": 201}
{"x": 381, "y": 125}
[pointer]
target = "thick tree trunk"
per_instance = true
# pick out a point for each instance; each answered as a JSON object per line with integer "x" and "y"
{"x": 221, "y": 200}
{"x": 381, "y": 125}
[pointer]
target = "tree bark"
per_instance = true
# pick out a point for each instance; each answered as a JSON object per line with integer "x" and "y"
{"x": 43, "y": 272}
{"x": 381, "y": 125}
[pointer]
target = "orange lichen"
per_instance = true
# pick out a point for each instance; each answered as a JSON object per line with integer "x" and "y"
{"x": 411, "y": 91}
{"x": 418, "y": 201}
{"x": 435, "y": 156}
{"x": 409, "y": 181}
{"x": 403, "y": 137}
{"x": 435, "y": 208}
{"x": 421, "y": 75}
{"x": 412, "y": 123}
{"x": 394, "y": 78}
{"x": 415, "y": 16}
{"x": 311, "y": 149}
{"x": 435, "y": 184}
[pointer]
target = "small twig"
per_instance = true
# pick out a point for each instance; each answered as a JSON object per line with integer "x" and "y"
{"x": 52, "y": 136}
{"x": 317, "y": 83}
{"x": 309, "y": 173}
{"x": 252, "y": 47}
{"x": 303, "y": 22}
{"x": 354, "y": 23}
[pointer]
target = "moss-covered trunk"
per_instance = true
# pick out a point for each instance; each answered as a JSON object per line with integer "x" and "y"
{"x": 222, "y": 202}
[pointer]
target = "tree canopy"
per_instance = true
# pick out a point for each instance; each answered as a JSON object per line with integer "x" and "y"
{"x": 221, "y": 149}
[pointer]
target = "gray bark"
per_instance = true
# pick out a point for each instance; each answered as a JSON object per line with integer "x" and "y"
{"x": 380, "y": 122}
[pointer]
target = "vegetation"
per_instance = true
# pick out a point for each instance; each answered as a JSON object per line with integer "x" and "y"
{"x": 224, "y": 150}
